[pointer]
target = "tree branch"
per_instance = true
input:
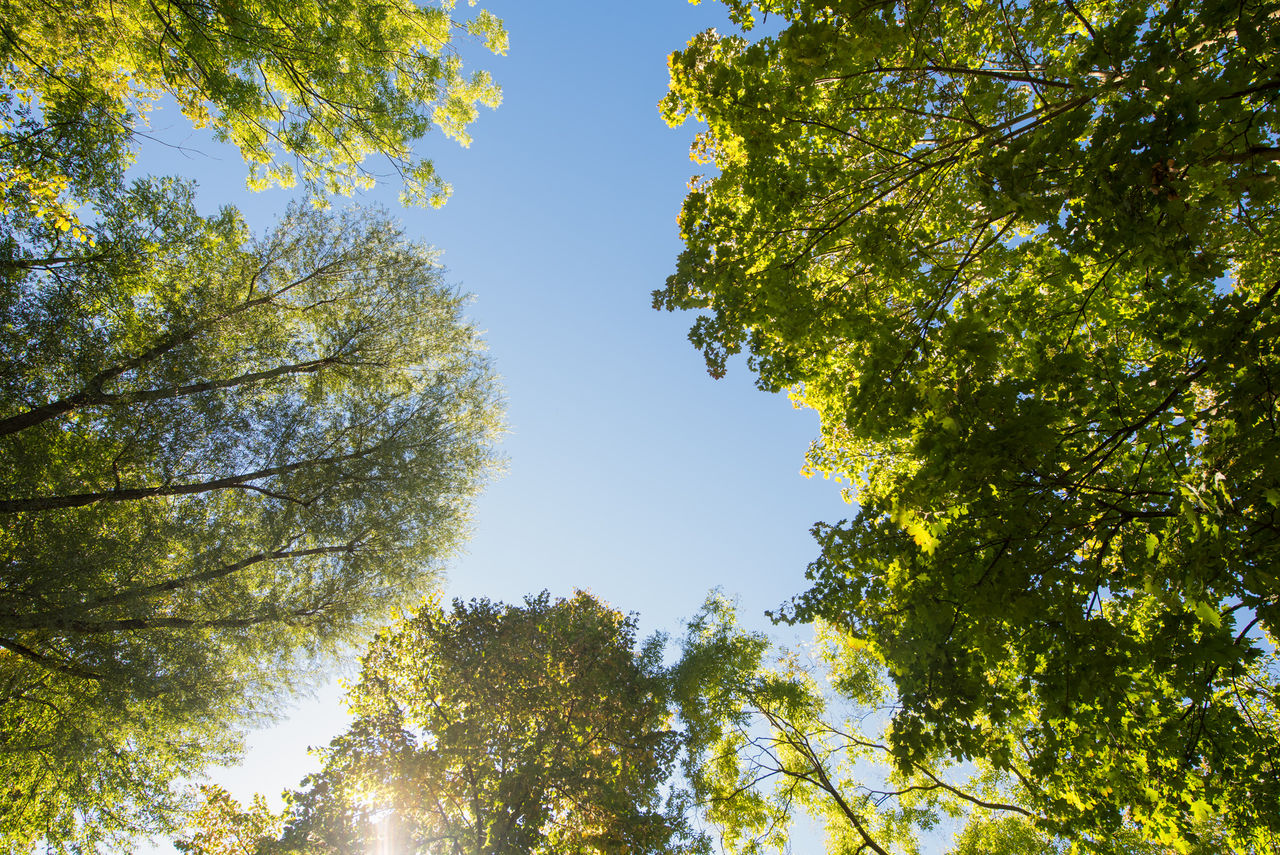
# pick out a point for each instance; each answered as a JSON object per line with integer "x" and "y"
{"x": 76, "y": 500}
{"x": 48, "y": 662}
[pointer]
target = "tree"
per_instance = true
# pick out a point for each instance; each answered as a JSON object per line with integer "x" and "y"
{"x": 765, "y": 740}
{"x": 305, "y": 90}
{"x": 1022, "y": 259}
{"x": 220, "y": 457}
{"x": 222, "y": 827}
{"x": 500, "y": 729}
{"x": 771, "y": 733}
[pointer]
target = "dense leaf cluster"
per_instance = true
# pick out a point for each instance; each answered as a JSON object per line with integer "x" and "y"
{"x": 306, "y": 90}
{"x": 1022, "y": 259}
{"x": 488, "y": 728}
{"x": 219, "y": 456}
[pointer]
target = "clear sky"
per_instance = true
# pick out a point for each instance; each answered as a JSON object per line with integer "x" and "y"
{"x": 631, "y": 472}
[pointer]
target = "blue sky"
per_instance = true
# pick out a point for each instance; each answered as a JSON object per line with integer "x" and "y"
{"x": 631, "y": 472}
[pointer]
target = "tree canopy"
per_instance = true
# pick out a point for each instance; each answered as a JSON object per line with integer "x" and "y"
{"x": 220, "y": 456}
{"x": 1021, "y": 258}
{"x": 306, "y": 90}
{"x": 222, "y": 826}
{"x": 773, "y": 733}
{"x": 500, "y": 729}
